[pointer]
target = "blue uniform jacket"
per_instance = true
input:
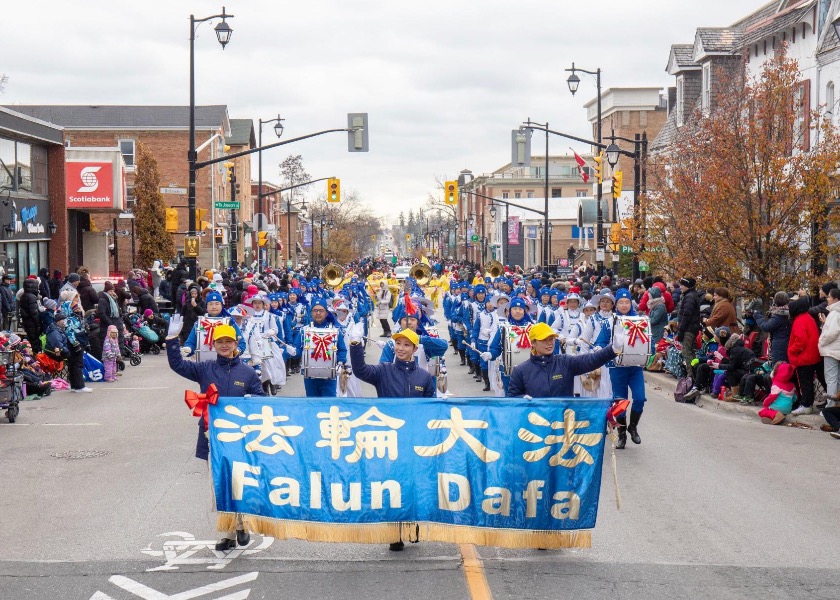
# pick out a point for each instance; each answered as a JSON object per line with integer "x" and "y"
{"x": 554, "y": 376}
{"x": 232, "y": 377}
{"x": 432, "y": 346}
{"x": 393, "y": 380}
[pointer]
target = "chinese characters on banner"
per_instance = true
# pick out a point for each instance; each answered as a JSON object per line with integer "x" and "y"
{"x": 357, "y": 470}
{"x": 513, "y": 230}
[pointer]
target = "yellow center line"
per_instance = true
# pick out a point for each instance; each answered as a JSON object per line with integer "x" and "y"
{"x": 474, "y": 573}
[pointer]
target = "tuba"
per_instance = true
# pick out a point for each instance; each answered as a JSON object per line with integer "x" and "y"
{"x": 421, "y": 272}
{"x": 494, "y": 268}
{"x": 332, "y": 275}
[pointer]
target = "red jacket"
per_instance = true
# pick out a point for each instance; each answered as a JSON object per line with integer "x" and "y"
{"x": 803, "y": 348}
{"x": 669, "y": 301}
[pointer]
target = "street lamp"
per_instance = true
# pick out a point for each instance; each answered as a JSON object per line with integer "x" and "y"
{"x": 223, "y": 34}
{"x": 612, "y": 153}
{"x": 574, "y": 82}
{"x": 278, "y": 130}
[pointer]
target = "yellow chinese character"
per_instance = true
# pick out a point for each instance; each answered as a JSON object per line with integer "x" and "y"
{"x": 266, "y": 429}
{"x": 336, "y": 430}
{"x": 570, "y": 440}
{"x": 458, "y": 430}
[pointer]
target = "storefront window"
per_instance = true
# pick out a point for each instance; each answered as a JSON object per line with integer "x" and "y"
{"x": 24, "y": 167}
{"x": 7, "y": 163}
{"x": 39, "y": 171}
{"x": 22, "y": 261}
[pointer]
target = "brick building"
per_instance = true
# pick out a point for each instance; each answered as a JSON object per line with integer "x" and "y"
{"x": 164, "y": 130}
{"x": 241, "y": 138}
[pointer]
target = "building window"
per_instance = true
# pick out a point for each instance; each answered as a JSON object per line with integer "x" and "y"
{"x": 517, "y": 194}
{"x": 829, "y": 101}
{"x": 130, "y": 198}
{"x": 556, "y": 192}
{"x": 581, "y": 194}
{"x": 505, "y": 195}
{"x": 23, "y": 167}
{"x": 127, "y": 149}
{"x": 706, "y": 102}
{"x": 680, "y": 99}
{"x": 529, "y": 194}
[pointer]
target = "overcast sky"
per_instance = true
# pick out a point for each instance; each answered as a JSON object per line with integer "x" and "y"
{"x": 443, "y": 82}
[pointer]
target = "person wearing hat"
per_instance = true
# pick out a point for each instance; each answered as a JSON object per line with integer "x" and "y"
{"x": 263, "y": 339}
{"x": 59, "y": 347}
{"x": 597, "y": 333}
{"x": 322, "y": 319}
{"x": 516, "y": 314}
{"x": 215, "y": 312}
{"x": 688, "y": 316}
{"x": 626, "y": 379}
{"x": 549, "y": 375}
{"x": 428, "y": 347}
{"x": 401, "y": 378}
{"x": 7, "y": 301}
{"x": 232, "y": 378}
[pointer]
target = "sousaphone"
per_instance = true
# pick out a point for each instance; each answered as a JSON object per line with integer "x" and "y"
{"x": 332, "y": 275}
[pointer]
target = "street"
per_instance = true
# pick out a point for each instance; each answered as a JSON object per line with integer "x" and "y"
{"x": 104, "y": 500}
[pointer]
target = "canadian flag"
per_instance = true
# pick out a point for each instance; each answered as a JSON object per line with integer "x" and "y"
{"x": 581, "y": 163}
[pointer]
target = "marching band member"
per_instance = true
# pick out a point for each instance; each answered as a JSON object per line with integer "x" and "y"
{"x": 486, "y": 321}
{"x": 499, "y": 309}
{"x": 517, "y": 314}
{"x": 216, "y": 313}
{"x": 545, "y": 312}
{"x": 322, "y": 319}
{"x": 263, "y": 334}
{"x": 344, "y": 320}
{"x": 549, "y": 375}
{"x": 624, "y": 377}
{"x": 597, "y": 333}
{"x": 433, "y": 347}
{"x": 476, "y": 305}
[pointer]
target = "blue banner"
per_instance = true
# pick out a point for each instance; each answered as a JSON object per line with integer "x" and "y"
{"x": 587, "y": 232}
{"x": 502, "y": 472}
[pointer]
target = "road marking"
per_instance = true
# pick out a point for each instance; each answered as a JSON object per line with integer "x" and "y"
{"x": 189, "y": 551}
{"x": 138, "y": 388}
{"x": 147, "y": 593}
{"x": 474, "y": 573}
{"x": 59, "y": 424}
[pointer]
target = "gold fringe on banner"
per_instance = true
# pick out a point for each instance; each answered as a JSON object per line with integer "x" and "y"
{"x": 383, "y": 533}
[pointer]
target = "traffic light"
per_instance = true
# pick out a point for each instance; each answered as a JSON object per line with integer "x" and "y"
{"x": 230, "y": 172}
{"x": 200, "y": 223}
{"x": 450, "y": 191}
{"x": 599, "y": 167}
{"x": 618, "y": 176}
{"x": 333, "y": 189}
{"x": 407, "y": 237}
{"x": 262, "y": 238}
{"x": 171, "y": 220}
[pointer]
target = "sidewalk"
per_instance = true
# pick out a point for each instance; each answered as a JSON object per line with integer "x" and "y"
{"x": 667, "y": 383}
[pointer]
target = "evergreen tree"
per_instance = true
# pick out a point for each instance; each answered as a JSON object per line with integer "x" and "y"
{"x": 150, "y": 212}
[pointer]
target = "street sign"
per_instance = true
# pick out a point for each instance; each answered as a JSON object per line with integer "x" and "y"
{"x": 227, "y": 205}
{"x": 174, "y": 190}
{"x": 627, "y": 249}
{"x": 643, "y": 266}
{"x": 599, "y": 255}
{"x": 191, "y": 246}
{"x": 260, "y": 222}
{"x": 474, "y": 237}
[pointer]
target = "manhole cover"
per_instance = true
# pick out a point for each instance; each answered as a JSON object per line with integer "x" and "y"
{"x": 79, "y": 454}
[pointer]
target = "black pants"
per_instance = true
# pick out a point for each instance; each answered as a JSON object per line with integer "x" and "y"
{"x": 733, "y": 378}
{"x": 703, "y": 375}
{"x": 832, "y": 416}
{"x": 750, "y": 382}
{"x": 33, "y": 334}
{"x": 74, "y": 367}
{"x": 804, "y": 380}
{"x": 386, "y": 326}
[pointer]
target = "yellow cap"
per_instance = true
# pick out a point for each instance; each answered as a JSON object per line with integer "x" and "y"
{"x": 541, "y": 331}
{"x": 409, "y": 335}
{"x": 224, "y": 331}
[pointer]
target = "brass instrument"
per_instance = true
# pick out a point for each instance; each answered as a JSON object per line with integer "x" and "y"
{"x": 494, "y": 269}
{"x": 421, "y": 272}
{"x": 332, "y": 275}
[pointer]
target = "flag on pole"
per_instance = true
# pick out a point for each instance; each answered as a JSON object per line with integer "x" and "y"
{"x": 581, "y": 163}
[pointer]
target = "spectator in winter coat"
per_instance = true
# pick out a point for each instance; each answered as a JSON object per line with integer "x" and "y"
{"x": 8, "y": 302}
{"x": 193, "y": 308}
{"x": 804, "y": 352}
{"x": 829, "y": 345}
{"x": 688, "y": 315}
{"x": 144, "y": 299}
{"x": 30, "y": 308}
{"x": 55, "y": 284}
{"x": 44, "y": 282}
{"x": 777, "y": 324}
{"x": 665, "y": 294}
{"x": 782, "y": 396}
{"x": 658, "y": 314}
{"x": 178, "y": 277}
{"x": 738, "y": 363}
{"x": 723, "y": 313}
{"x": 87, "y": 293}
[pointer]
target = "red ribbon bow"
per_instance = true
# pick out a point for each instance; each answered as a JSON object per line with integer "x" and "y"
{"x": 524, "y": 341}
{"x": 636, "y": 330}
{"x": 322, "y": 345}
{"x": 208, "y": 327}
{"x": 198, "y": 402}
{"x": 618, "y": 408}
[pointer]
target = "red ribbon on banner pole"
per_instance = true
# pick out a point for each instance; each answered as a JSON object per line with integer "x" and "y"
{"x": 636, "y": 331}
{"x": 322, "y": 346}
{"x": 198, "y": 402}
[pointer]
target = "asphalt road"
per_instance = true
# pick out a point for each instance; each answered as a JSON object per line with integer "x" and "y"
{"x": 102, "y": 498}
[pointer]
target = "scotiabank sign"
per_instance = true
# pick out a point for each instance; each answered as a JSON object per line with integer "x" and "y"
{"x": 95, "y": 179}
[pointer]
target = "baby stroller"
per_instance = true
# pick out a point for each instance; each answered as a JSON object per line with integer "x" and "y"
{"x": 134, "y": 358}
{"x": 149, "y": 339}
{"x": 11, "y": 385}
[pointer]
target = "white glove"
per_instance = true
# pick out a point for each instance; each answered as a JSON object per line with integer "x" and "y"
{"x": 571, "y": 342}
{"x": 291, "y": 350}
{"x": 527, "y": 397}
{"x": 356, "y": 332}
{"x": 486, "y": 356}
{"x": 268, "y": 335}
{"x": 380, "y": 343}
{"x": 176, "y": 324}
{"x": 186, "y": 352}
{"x": 617, "y": 344}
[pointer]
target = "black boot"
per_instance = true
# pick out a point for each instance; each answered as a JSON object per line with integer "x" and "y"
{"x": 471, "y": 364}
{"x": 634, "y": 421}
{"x": 477, "y": 371}
{"x": 463, "y": 357}
{"x": 485, "y": 375}
{"x": 622, "y": 433}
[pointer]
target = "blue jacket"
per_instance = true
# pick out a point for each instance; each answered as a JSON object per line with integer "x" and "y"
{"x": 232, "y": 377}
{"x": 392, "y": 380}
{"x": 432, "y": 346}
{"x": 56, "y": 338}
{"x": 554, "y": 376}
{"x": 778, "y": 326}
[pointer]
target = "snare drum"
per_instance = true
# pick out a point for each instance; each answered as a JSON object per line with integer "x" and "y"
{"x": 320, "y": 345}
{"x": 634, "y": 335}
{"x": 204, "y": 337}
{"x": 516, "y": 346}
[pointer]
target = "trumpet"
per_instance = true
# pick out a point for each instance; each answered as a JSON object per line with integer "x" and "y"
{"x": 494, "y": 268}
{"x": 332, "y": 275}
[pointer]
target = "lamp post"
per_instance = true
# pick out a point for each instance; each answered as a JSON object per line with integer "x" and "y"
{"x": 223, "y": 33}
{"x": 278, "y": 130}
{"x": 573, "y": 82}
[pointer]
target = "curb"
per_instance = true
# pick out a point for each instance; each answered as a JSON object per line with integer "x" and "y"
{"x": 705, "y": 401}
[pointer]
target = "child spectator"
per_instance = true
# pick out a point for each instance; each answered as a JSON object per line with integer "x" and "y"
{"x": 740, "y": 359}
{"x": 782, "y": 395}
{"x": 110, "y": 352}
